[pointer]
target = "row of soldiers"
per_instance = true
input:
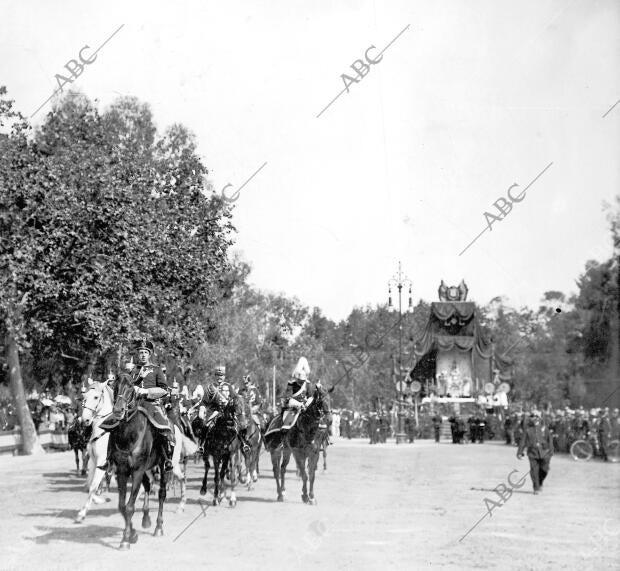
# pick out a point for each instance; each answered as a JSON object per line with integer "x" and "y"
{"x": 567, "y": 425}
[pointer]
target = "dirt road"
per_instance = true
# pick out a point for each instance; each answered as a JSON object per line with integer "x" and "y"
{"x": 379, "y": 507}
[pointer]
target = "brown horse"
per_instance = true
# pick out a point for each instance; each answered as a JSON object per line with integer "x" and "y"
{"x": 135, "y": 449}
{"x": 303, "y": 441}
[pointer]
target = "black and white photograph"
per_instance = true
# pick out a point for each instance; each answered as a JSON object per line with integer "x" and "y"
{"x": 309, "y": 285}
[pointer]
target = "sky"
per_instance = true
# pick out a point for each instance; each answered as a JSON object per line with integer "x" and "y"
{"x": 471, "y": 98}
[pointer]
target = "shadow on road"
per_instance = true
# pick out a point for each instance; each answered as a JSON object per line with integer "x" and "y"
{"x": 91, "y": 534}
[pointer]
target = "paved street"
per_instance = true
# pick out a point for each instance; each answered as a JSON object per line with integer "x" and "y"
{"x": 379, "y": 507}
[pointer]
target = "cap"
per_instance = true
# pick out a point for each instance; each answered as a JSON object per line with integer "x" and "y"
{"x": 144, "y": 343}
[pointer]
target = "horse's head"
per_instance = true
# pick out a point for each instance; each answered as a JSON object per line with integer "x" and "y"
{"x": 125, "y": 397}
{"x": 97, "y": 403}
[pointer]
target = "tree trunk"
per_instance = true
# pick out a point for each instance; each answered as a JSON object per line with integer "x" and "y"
{"x": 30, "y": 438}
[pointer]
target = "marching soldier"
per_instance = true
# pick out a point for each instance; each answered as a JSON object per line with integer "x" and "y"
{"x": 538, "y": 441}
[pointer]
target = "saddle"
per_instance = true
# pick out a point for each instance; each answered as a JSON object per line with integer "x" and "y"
{"x": 284, "y": 422}
{"x": 153, "y": 413}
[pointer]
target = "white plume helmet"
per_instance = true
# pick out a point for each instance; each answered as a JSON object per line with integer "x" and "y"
{"x": 199, "y": 392}
{"x": 302, "y": 370}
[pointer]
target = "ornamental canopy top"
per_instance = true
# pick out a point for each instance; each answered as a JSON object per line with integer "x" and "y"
{"x": 453, "y": 293}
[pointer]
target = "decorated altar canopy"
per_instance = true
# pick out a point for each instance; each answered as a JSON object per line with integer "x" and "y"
{"x": 453, "y": 324}
{"x": 452, "y": 356}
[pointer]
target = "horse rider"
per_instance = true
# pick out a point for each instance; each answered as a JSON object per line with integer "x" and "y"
{"x": 296, "y": 399}
{"x": 249, "y": 391}
{"x": 149, "y": 382}
{"x": 220, "y": 395}
{"x": 180, "y": 401}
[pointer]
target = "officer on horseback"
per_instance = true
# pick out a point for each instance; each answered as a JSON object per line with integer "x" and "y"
{"x": 296, "y": 399}
{"x": 222, "y": 395}
{"x": 150, "y": 386}
{"x": 249, "y": 391}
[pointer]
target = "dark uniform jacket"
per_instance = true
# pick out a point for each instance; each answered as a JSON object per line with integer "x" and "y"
{"x": 154, "y": 378}
{"x": 537, "y": 440}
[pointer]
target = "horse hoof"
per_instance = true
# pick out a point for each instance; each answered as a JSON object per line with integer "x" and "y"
{"x": 124, "y": 546}
{"x": 83, "y": 472}
{"x": 133, "y": 538}
{"x": 312, "y": 501}
{"x": 79, "y": 518}
{"x": 180, "y": 509}
{"x": 280, "y": 498}
{"x": 203, "y": 491}
{"x": 146, "y": 522}
{"x": 304, "y": 499}
{"x": 232, "y": 503}
{"x": 159, "y": 531}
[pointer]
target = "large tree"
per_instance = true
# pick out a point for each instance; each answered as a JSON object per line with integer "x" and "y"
{"x": 108, "y": 234}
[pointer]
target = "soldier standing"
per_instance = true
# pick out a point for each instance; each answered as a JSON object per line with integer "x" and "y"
{"x": 437, "y": 420}
{"x": 604, "y": 432}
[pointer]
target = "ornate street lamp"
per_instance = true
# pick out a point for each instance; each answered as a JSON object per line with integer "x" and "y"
{"x": 399, "y": 281}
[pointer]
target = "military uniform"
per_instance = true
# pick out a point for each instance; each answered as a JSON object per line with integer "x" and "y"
{"x": 252, "y": 396}
{"x": 150, "y": 376}
{"x": 296, "y": 397}
{"x": 538, "y": 441}
{"x": 220, "y": 396}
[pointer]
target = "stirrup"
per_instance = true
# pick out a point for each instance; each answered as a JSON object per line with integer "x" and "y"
{"x": 168, "y": 467}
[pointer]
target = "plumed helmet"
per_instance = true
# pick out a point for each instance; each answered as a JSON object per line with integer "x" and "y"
{"x": 199, "y": 392}
{"x": 302, "y": 370}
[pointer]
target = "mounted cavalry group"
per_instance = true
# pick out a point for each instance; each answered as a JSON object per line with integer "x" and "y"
{"x": 142, "y": 430}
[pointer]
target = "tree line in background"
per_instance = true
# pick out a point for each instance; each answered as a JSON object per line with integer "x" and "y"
{"x": 110, "y": 231}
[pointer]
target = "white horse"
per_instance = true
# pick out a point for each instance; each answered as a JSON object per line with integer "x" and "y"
{"x": 97, "y": 406}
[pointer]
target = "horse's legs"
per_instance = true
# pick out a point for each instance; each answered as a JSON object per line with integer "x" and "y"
{"x": 325, "y": 457}
{"x": 179, "y": 473}
{"x": 232, "y": 460}
{"x": 286, "y": 457}
{"x": 77, "y": 459}
{"x": 159, "y": 528}
{"x": 313, "y": 460}
{"x": 216, "y": 479}
{"x": 300, "y": 460}
{"x": 95, "y": 475}
{"x": 276, "y": 459}
{"x": 203, "y": 489}
{"x": 146, "y": 518}
{"x": 130, "y": 535}
{"x": 84, "y": 460}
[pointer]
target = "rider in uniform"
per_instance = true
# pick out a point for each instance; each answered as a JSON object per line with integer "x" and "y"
{"x": 296, "y": 398}
{"x": 150, "y": 386}
{"x": 220, "y": 395}
{"x": 249, "y": 391}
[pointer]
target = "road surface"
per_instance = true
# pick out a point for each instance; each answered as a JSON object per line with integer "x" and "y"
{"x": 380, "y": 507}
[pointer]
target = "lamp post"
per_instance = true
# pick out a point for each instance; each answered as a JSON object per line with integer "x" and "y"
{"x": 399, "y": 281}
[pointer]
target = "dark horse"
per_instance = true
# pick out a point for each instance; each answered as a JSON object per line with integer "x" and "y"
{"x": 251, "y": 453}
{"x": 220, "y": 441}
{"x": 79, "y": 435}
{"x": 303, "y": 441}
{"x": 135, "y": 450}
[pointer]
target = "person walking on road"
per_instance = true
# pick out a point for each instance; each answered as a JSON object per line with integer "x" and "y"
{"x": 538, "y": 441}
